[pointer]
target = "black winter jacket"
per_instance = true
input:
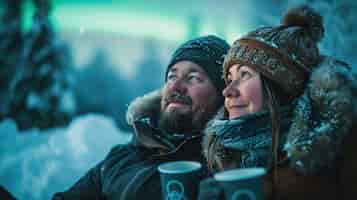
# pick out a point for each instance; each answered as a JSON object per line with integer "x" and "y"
{"x": 130, "y": 171}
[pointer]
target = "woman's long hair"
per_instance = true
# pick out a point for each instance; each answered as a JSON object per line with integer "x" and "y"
{"x": 274, "y": 98}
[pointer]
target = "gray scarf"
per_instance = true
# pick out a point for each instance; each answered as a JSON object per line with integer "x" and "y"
{"x": 251, "y": 136}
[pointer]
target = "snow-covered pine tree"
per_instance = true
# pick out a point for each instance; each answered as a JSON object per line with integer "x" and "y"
{"x": 41, "y": 89}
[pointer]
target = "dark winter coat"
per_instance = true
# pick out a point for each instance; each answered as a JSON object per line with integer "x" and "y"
{"x": 5, "y": 195}
{"x": 130, "y": 171}
{"x": 320, "y": 144}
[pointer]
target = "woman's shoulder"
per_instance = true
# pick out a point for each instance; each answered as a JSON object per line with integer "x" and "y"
{"x": 323, "y": 117}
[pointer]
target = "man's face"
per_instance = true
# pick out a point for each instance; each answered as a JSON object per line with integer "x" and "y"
{"x": 188, "y": 98}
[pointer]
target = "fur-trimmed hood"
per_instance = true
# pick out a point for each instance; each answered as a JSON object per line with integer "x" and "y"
{"x": 322, "y": 116}
{"x": 144, "y": 106}
{"x": 141, "y": 108}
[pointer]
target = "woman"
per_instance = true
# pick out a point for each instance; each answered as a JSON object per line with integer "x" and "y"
{"x": 287, "y": 108}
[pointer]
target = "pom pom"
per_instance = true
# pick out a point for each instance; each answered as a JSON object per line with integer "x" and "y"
{"x": 306, "y": 17}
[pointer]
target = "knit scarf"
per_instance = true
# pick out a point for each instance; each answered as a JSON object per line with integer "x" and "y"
{"x": 250, "y": 135}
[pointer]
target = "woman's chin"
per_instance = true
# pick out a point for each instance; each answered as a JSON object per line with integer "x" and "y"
{"x": 235, "y": 114}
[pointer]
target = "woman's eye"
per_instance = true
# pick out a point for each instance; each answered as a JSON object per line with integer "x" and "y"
{"x": 246, "y": 75}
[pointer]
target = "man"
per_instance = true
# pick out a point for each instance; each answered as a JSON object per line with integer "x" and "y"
{"x": 167, "y": 125}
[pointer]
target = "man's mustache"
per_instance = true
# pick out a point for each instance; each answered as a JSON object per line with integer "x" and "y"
{"x": 178, "y": 98}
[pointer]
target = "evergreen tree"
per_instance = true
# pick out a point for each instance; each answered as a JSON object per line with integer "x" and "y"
{"x": 11, "y": 42}
{"x": 41, "y": 87}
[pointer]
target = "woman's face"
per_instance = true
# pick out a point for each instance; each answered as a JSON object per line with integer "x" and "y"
{"x": 243, "y": 93}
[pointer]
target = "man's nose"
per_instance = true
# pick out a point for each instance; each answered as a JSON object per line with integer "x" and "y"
{"x": 231, "y": 90}
{"x": 179, "y": 85}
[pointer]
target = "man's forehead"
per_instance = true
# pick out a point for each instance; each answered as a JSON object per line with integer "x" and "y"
{"x": 186, "y": 67}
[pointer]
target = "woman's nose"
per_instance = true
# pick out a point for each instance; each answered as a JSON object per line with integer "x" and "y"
{"x": 231, "y": 90}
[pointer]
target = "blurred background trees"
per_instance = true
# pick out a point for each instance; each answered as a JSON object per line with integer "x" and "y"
{"x": 61, "y": 59}
{"x": 38, "y": 71}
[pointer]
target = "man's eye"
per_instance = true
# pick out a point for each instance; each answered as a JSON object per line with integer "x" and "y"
{"x": 171, "y": 77}
{"x": 194, "y": 78}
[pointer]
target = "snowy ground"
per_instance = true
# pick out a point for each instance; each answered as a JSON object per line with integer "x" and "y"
{"x": 34, "y": 165}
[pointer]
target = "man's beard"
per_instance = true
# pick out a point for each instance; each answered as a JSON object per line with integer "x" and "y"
{"x": 177, "y": 122}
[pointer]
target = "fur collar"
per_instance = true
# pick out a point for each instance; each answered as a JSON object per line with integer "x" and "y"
{"x": 147, "y": 106}
{"x": 142, "y": 115}
{"x": 322, "y": 117}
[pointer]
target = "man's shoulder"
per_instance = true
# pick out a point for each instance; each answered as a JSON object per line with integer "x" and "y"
{"x": 121, "y": 158}
{"x": 121, "y": 149}
{"x": 124, "y": 150}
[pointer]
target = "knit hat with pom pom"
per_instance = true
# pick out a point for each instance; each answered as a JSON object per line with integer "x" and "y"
{"x": 286, "y": 54}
